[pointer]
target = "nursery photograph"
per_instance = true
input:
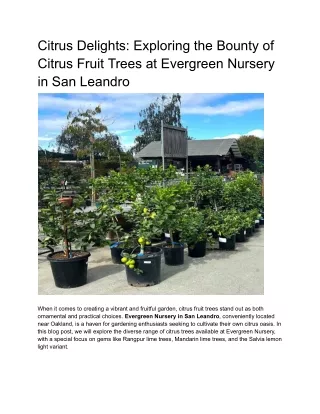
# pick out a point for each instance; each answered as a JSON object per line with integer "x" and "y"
{"x": 151, "y": 194}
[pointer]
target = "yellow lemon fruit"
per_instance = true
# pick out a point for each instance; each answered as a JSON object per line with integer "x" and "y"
{"x": 132, "y": 262}
{"x": 124, "y": 260}
{"x": 153, "y": 215}
{"x": 141, "y": 240}
{"x": 131, "y": 266}
{"x": 148, "y": 243}
{"x": 145, "y": 210}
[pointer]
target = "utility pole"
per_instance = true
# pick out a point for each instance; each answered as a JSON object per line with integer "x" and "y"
{"x": 187, "y": 160}
{"x": 93, "y": 195}
{"x": 162, "y": 145}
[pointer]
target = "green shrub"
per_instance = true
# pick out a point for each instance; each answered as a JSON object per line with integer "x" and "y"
{"x": 226, "y": 223}
{"x": 244, "y": 193}
{"x": 193, "y": 226}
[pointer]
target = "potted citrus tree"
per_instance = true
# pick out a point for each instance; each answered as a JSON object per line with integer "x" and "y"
{"x": 167, "y": 203}
{"x": 258, "y": 220}
{"x": 194, "y": 231}
{"x": 248, "y": 222}
{"x": 143, "y": 261}
{"x": 207, "y": 188}
{"x": 241, "y": 235}
{"x": 69, "y": 226}
{"x": 118, "y": 238}
{"x": 243, "y": 193}
{"x": 115, "y": 191}
{"x": 227, "y": 226}
{"x": 252, "y": 217}
{"x": 261, "y": 218}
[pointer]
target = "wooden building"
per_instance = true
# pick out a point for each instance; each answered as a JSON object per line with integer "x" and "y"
{"x": 221, "y": 154}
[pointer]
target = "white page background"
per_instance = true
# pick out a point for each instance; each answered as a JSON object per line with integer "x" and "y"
{"x": 174, "y": 377}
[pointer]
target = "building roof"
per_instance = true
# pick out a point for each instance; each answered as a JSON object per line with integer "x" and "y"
{"x": 196, "y": 148}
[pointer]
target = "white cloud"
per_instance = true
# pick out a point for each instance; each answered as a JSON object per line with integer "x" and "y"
{"x": 59, "y": 103}
{"x": 110, "y": 103}
{"x": 121, "y": 131}
{"x": 229, "y": 108}
{"x": 51, "y": 124}
{"x": 192, "y": 103}
{"x": 192, "y": 99}
{"x": 256, "y": 132}
{"x": 45, "y": 138}
{"x": 126, "y": 147}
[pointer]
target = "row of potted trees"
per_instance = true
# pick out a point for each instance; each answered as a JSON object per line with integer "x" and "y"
{"x": 180, "y": 213}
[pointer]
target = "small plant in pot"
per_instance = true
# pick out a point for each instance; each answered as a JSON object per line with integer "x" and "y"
{"x": 261, "y": 218}
{"x": 143, "y": 262}
{"x": 241, "y": 235}
{"x": 227, "y": 227}
{"x": 247, "y": 222}
{"x": 194, "y": 231}
{"x": 261, "y": 210}
{"x": 253, "y": 218}
{"x": 257, "y": 221}
{"x": 67, "y": 225}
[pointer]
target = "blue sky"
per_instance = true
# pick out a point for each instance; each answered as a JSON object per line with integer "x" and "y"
{"x": 207, "y": 116}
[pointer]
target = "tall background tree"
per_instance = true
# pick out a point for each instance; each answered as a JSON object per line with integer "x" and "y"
{"x": 81, "y": 127}
{"x": 85, "y": 132}
{"x": 86, "y": 135}
{"x": 252, "y": 150}
{"x": 166, "y": 109}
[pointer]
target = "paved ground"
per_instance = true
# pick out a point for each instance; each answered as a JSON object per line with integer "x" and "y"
{"x": 238, "y": 272}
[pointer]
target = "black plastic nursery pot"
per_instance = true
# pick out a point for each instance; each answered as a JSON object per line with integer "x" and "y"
{"x": 249, "y": 232}
{"x": 116, "y": 251}
{"x": 241, "y": 236}
{"x": 257, "y": 223}
{"x": 253, "y": 228}
{"x": 174, "y": 255}
{"x": 71, "y": 272}
{"x": 261, "y": 221}
{"x": 198, "y": 249}
{"x": 227, "y": 243}
{"x": 149, "y": 264}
